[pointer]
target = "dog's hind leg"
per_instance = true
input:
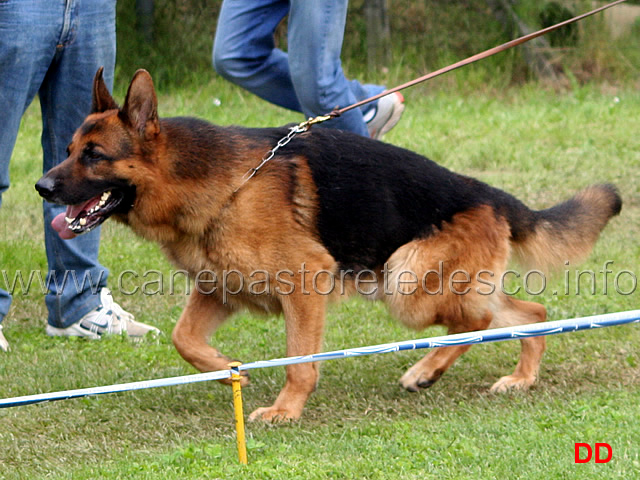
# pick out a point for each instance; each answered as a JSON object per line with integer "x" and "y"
{"x": 428, "y": 370}
{"x": 460, "y": 311}
{"x": 439, "y": 280}
{"x": 200, "y": 318}
{"x": 519, "y": 312}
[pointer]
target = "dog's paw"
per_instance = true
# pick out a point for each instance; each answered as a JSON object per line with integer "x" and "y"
{"x": 513, "y": 382}
{"x": 274, "y": 415}
{"x": 415, "y": 379}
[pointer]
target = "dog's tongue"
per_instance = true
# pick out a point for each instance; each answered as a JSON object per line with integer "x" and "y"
{"x": 59, "y": 224}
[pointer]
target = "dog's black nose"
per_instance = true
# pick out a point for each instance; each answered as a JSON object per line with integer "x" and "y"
{"x": 46, "y": 187}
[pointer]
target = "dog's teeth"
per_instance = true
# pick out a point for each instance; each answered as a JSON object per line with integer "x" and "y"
{"x": 69, "y": 219}
{"x": 83, "y": 221}
{"x": 103, "y": 199}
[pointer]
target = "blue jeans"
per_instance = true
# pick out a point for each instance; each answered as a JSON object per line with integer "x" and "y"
{"x": 53, "y": 48}
{"x": 309, "y": 78}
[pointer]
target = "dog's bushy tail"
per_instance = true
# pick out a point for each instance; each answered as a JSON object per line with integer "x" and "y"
{"x": 567, "y": 231}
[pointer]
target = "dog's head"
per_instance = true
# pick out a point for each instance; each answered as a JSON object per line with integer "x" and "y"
{"x": 106, "y": 158}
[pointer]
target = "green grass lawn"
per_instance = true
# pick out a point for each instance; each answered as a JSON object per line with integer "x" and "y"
{"x": 538, "y": 144}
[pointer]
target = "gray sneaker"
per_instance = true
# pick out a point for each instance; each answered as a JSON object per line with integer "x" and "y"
{"x": 4, "y": 345}
{"x": 109, "y": 318}
{"x": 384, "y": 116}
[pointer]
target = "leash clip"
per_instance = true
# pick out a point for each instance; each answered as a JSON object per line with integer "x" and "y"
{"x": 306, "y": 125}
{"x": 293, "y": 131}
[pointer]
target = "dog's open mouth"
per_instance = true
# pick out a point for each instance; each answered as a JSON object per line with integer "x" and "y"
{"x": 85, "y": 217}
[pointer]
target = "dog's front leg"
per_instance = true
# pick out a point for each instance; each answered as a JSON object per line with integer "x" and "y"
{"x": 304, "y": 318}
{"x": 200, "y": 318}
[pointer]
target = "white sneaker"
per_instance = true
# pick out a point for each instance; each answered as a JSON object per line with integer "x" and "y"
{"x": 4, "y": 345}
{"x": 109, "y": 318}
{"x": 384, "y": 116}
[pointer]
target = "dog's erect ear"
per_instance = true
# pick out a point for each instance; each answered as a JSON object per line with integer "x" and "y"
{"x": 101, "y": 100}
{"x": 141, "y": 105}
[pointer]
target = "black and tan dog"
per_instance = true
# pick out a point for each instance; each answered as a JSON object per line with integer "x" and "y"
{"x": 329, "y": 210}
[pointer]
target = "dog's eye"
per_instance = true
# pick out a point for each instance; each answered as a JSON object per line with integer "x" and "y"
{"x": 93, "y": 155}
{"x": 90, "y": 154}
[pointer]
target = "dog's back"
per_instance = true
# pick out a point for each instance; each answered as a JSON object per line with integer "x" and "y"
{"x": 375, "y": 197}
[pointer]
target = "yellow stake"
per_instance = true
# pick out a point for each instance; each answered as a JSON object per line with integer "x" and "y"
{"x": 237, "y": 407}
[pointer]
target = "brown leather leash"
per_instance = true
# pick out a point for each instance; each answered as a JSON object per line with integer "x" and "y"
{"x": 307, "y": 124}
{"x": 480, "y": 56}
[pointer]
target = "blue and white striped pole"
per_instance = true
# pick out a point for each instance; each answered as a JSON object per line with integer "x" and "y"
{"x": 123, "y": 387}
{"x": 471, "y": 338}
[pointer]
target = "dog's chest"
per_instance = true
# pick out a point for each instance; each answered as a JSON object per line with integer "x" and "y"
{"x": 221, "y": 273}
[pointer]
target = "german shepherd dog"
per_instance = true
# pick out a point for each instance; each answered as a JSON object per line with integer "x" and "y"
{"x": 329, "y": 209}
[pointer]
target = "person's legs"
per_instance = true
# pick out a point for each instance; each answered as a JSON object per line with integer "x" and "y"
{"x": 244, "y": 51}
{"x": 316, "y": 32}
{"x": 54, "y": 47}
{"x": 86, "y": 43}
{"x": 28, "y": 31}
